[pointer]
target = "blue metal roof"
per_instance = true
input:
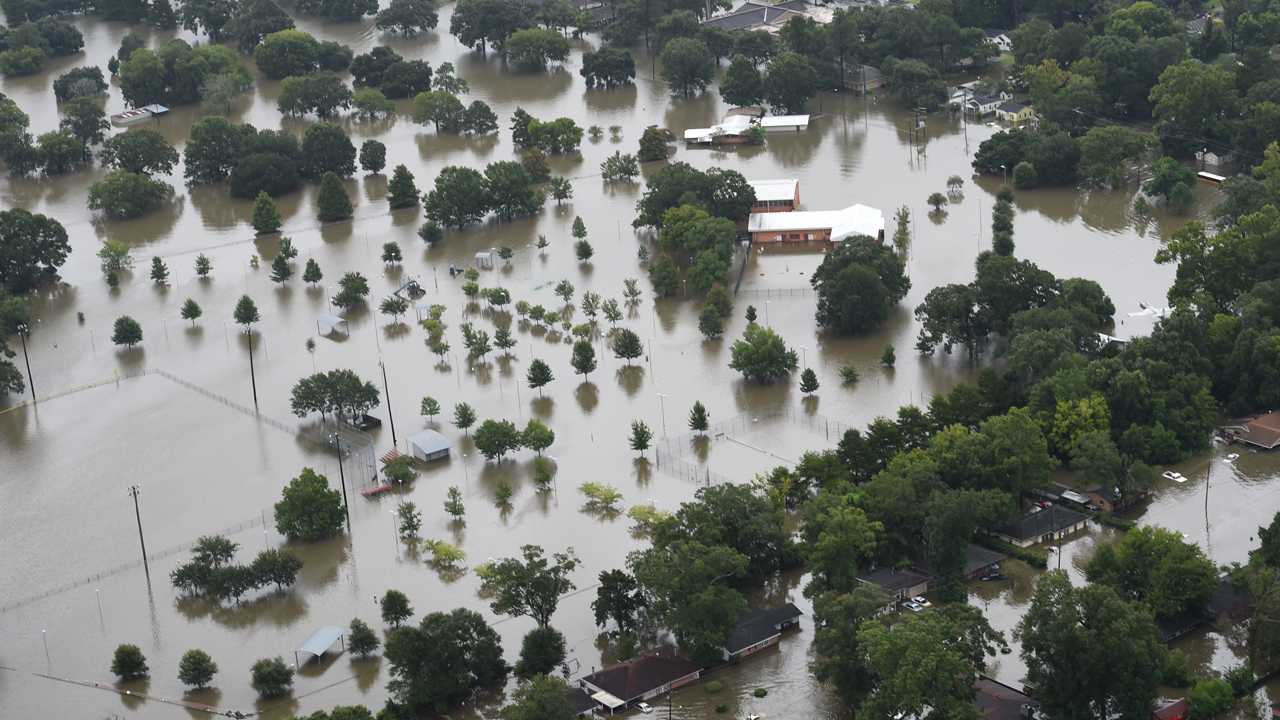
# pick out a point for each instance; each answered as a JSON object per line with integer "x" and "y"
{"x": 319, "y": 642}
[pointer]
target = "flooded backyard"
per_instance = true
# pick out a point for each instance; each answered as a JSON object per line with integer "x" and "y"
{"x": 203, "y": 465}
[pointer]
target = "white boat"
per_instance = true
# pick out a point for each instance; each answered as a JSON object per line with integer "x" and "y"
{"x": 128, "y": 117}
{"x": 1171, "y": 475}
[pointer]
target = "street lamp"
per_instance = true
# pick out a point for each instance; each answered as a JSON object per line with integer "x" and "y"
{"x": 766, "y": 314}
{"x": 133, "y": 491}
{"x": 663, "y": 399}
{"x": 327, "y": 302}
{"x": 390, "y": 417}
{"x": 1005, "y": 174}
{"x": 253, "y": 378}
{"x": 686, "y": 288}
{"x": 22, "y": 333}
{"x": 655, "y": 317}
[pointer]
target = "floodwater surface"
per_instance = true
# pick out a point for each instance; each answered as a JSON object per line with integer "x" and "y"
{"x": 204, "y": 466}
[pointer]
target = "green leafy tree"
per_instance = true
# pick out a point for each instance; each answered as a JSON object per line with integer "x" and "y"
{"x": 1104, "y": 150}
{"x": 618, "y": 598}
{"x": 790, "y": 83}
{"x": 530, "y": 587}
{"x": 266, "y": 218}
{"x": 312, "y": 273}
{"x": 742, "y": 84}
{"x": 309, "y": 509}
{"x": 539, "y": 697}
{"x": 561, "y": 189}
{"x": 1166, "y": 176}
{"x": 196, "y": 668}
{"x": 584, "y": 358}
{"x": 191, "y": 311}
{"x": 653, "y": 145}
{"x": 627, "y": 345}
{"x": 362, "y": 640}
{"x": 608, "y": 67}
{"x": 127, "y": 332}
{"x": 463, "y": 416}
{"x": 537, "y": 436}
{"x": 79, "y": 82}
{"x": 394, "y": 305}
{"x": 687, "y": 68}
{"x": 251, "y": 21}
{"x": 401, "y": 191}
{"x": 373, "y": 156}
{"x": 841, "y": 658}
{"x": 541, "y": 651}
{"x": 460, "y": 197}
{"x": 276, "y": 566}
{"x": 808, "y": 381}
{"x": 113, "y": 255}
{"x": 129, "y": 663}
{"x": 203, "y": 266}
{"x": 86, "y": 121}
{"x": 1157, "y": 568}
{"x": 709, "y": 322}
{"x": 271, "y": 677}
{"x": 1089, "y": 651}
{"x": 640, "y": 436}
{"x": 857, "y": 285}
{"x": 33, "y": 247}
{"x": 533, "y": 48}
{"x": 510, "y": 191}
{"x": 484, "y": 24}
{"x": 141, "y": 151}
{"x": 123, "y": 195}
{"x": 326, "y": 148}
{"x": 453, "y": 503}
{"x": 495, "y": 438}
{"x": 371, "y": 104}
{"x": 407, "y": 17}
{"x": 333, "y": 201}
{"x": 663, "y": 275}
{"x": 395, "y": 608}
{"x": 443, "y": 658}
{"x": 762, "y": 355}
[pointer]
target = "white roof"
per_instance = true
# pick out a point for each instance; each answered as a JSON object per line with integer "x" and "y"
{"x": 733, "y": 125}
{"x": 319, "y": 642}
{"x": 782, "y": 121}
{"x": 608, "y": 700}
{"x": 774, "y": 189}
{"x": 853, "y": 220}
{"x": 429, "y": 441}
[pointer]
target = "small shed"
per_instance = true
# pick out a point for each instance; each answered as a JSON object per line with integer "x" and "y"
{"x": 320, "y": 642}
{"x": 484, "y": 260}
{"x": 326, "y": 320}
{"x": 780, "y": 123}
{"x": 428, "y": 445}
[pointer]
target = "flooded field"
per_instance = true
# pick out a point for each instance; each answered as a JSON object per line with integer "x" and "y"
{"x": 204, "y": 466}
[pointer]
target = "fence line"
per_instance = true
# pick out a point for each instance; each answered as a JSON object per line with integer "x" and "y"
{"x": 777, "y": 292}
{"x": 68, "y": 391}
{"x": 670, "y": 450}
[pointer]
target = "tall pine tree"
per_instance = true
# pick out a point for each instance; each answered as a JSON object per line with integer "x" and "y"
{"x": 334, "y": 202}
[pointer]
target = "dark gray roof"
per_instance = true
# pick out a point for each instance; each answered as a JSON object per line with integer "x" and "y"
{"x": 983, "y": 100}
{"x": 757, "y": 625}
{"x": 1050, "y": 519}
{"x": 1011, "y": 107}
{"x": 995, "y": 32}
{"x": 1225, "y": 597}
{"x": 581, "y": 700}
{"x": 998, "y": 701}
{"x": 976, "y": 558}
{"x": 891, "y": 580}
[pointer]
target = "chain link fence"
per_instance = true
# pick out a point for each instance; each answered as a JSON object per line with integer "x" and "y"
{"x": 671, "y": 450}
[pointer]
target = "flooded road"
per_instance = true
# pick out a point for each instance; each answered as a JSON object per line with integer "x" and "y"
{"x": 204, "y": 466}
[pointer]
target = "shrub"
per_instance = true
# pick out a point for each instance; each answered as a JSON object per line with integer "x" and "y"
{"x": 271, "y": 677}
{"x": 760, "y": 692}
{"x": 714, "y": 687}
{"x": 722, "y": 708}
{"x": 129, "y": 662}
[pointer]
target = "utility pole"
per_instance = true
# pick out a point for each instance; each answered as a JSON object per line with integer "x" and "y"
{"x": 390, "y": 417}
{"x": 22, "y": 333}
{"x": 253, "y": 378}
{"x": 342, "y": 476}
{"x": 133, "y": 490}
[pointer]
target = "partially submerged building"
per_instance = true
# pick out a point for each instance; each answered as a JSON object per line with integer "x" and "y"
{"x": 775, "y": 195}
{"x": 816, "y": 226}
{"x": 759, "y": 629}
{"x": 643, "y": 677}
{"x": 1052, "y": 523}
{"x": 1260, "y": 430}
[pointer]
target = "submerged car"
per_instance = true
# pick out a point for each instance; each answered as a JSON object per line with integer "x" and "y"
{"x": 1233, "y": 457}
{"x": 994, "y": 576}
{"x": 919, "y": 600}
{"x": 913, "y": 606}
{"x": 1174, "y": 476}
{"x": 644, "y": 707}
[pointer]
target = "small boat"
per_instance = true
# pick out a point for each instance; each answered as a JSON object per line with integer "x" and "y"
{"x": 1171, "y": 475}
{"x": 1232, "y": 457}
{"x": 128, "y": 117}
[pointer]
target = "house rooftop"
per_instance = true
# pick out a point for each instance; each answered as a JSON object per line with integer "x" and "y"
{"x": 1260, "y": 430}
{"x": 774, "y": 190}
{"x": 1049, "y": 520}
{"x": 998, "y": 701}
{"x": 1011, "y": 107}
{"x": 631, "y": 679}
{"x": 995, "y": 32}
{"x": 892, "y": 580}
{"x": 756, "y": 625}
{"x": 853, "y": 220}
{"x": 581, "y": 700}
{"x": 976, "y": 558}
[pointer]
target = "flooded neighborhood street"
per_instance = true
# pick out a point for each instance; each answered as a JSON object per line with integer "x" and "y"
{"x": 204, "y": 466}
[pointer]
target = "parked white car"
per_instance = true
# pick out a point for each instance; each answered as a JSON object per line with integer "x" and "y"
{"x": 644, "y": 707}
{"x": 919, "y": 600}
{"x": 1171, "y": 475}
{"x": 913, "y": 606}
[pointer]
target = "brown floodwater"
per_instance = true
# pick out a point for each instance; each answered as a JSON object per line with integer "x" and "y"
{"x": 204, "y": 466}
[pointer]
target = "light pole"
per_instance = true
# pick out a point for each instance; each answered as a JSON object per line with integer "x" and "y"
{"x": 342, "y": 475}
{"x": 133, "y": 490}
{"x": 390, "y": 417}
{"x": 327, "y": 302}
{"x": 1005, "y": 175}
{"x": 395, "y": 530}
{"x": 686, "y": 289}
{"x": 22, "y": 333}
{"x": 804, "y": 356}
{"x": 253, "y": 378}
{"x": 517, "y": 391}
{"x": 663, "y": 399}
{"x": 766, "y": 314}
{"x": 655, "y": 317}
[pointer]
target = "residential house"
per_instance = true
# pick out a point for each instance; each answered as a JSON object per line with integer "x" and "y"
{"x": 862, "y": 78}
{"x": 1000, "y": 38}
{"x": 998, "y": 701}
{"x": 1260, "y": 430}
{"x": 1057, "y": 491}
{"x": 643, "y": 677}
{"x": 1107, "y": 499}
{"x": 1196, "y": 26}
{"x": 897, "y": 584}
{"x": 1214, "y": 154}
{"x": 582, "y": 702}
{"x": 978, "y": 562}
{"x": 817, "y": 226}
{"x": 759, "y": 629}
{"x": 980, "y": 105}
{"x": 1170, "y": 710}
{"x": 770, "y": 17}
{"x": 1052, "y": 523}
{"x": 731, "y": 130}
{"x": 775, "y": 195}
{"x": 1013, "y": 112}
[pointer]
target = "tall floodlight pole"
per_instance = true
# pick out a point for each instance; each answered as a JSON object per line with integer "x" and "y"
{"x": 390, "y": 417}
{"x": 22, "y": 333}
{"x": 133, "y": 491}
